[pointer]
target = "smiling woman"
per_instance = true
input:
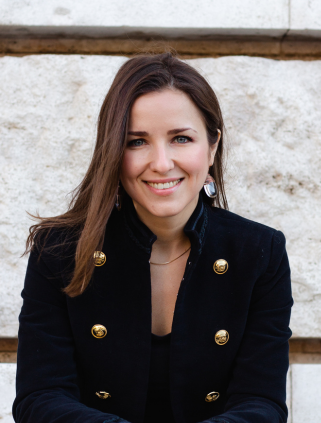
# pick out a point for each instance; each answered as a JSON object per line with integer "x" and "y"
{"x": 165, "y": 172}
{"x": 148, "y": 301}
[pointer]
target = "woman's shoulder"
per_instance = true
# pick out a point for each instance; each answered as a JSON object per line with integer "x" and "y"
{"x": 254, "y": 245}
{"x": 242, "y": 227}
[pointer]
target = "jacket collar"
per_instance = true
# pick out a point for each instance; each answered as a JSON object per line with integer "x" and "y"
{"x": 144, "y": 237}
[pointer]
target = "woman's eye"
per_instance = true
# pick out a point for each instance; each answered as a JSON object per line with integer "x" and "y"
{"x": 136, "y": 143}
{"x": 183, "y": 140}
{"x": 179, "y": 139}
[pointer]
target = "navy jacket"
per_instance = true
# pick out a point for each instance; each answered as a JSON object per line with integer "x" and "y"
{"x": 61, "y": 365}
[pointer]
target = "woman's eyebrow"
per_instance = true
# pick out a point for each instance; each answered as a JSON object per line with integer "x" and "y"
{"x": 176, "y": 131}
{"x": 170, "y": 132}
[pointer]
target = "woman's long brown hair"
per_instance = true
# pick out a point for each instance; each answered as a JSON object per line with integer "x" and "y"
{"x": 93, "y": 200}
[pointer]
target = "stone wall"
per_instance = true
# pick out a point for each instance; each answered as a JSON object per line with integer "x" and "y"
{"x": 179, "y": 17}
{"x": 120, "y": 16}
{"x": 48, "y": 111}
{"x": 49, "y": 105}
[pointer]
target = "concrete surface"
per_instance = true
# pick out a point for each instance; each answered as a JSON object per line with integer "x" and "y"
{"x": 120, "y": 16}
{"x": 49, "y": 105}
{"x": 306, "y": 405}
{"x": 7, "y": 391}
{"x": 276, "y": 18}
{"x": 274, "y": 174}
{"x": 305, "y": 17}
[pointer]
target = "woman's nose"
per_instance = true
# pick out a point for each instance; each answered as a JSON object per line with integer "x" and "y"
{"x": 161, "y": 160}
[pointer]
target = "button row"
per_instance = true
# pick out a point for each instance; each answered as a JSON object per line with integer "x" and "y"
{"x": 210, "y": 397}
{"x": 220, "y": 266}
{"x": 221, "y": 337}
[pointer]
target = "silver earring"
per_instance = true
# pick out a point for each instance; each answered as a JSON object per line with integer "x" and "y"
{"x": 210, "y": 187}
{"x": 118, "y": 201}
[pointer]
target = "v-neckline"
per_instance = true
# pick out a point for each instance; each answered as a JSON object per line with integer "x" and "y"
{"x": 161, "y": 336}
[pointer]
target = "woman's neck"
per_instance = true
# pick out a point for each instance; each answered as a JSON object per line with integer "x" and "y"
{"x": 171, "y": 238}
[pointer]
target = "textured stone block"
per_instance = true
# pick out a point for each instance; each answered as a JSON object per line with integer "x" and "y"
{"x": 306, "y": 381}
{"x": 274, "y": 166}
{"x": 305, "y": 17}
{"x": 48, "y": 110}
{"x": 121, "y": 16}
{"x": 289, "y": 394}
{"x": 7, "y": 391}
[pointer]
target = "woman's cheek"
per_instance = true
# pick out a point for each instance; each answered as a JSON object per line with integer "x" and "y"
{"x": 195, "y": 163}
{"x": 131, "y": 166}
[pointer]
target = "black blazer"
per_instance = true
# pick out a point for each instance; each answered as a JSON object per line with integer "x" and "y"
{"x": 61, "y": 365}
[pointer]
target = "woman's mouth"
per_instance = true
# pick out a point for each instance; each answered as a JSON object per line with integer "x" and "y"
{"x": 165, "y": 185}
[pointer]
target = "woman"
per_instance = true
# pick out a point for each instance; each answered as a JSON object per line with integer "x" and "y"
{"x": 147, "y": 301}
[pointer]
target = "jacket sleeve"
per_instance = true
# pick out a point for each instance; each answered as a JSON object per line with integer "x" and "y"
{"x": 46, "y": 380}
{"x": 257, "y": 389}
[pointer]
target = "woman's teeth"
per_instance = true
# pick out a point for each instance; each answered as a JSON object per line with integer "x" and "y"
{"x": 164, "y": 186}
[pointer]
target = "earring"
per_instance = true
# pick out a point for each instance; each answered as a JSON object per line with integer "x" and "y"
{"x": 210, "y": 187}
{"x": 118, "y": 200}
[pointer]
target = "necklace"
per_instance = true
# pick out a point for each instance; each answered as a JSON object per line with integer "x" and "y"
{"x": 171, "y": 260}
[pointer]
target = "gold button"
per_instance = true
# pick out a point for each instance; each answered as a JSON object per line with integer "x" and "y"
{"x": 99, "y": 258}
{"x": 220, "y": 266}
{"x": 99, "y": 331}
{"x": 103, "y": 395}
{"x": 221, "y": 337}
{"x": 212, "y": 396}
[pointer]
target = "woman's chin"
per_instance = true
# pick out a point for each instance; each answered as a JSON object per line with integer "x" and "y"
{"x": 167, "y": 209}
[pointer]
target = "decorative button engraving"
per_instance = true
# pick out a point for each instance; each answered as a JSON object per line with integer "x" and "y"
{"x": 212, "y": 396}
{"x": 221, "y": 337}
{"x": 103, "y": 394}
{"x": 220, "y": 266}
{"x": 99, "y": 258}
{"x": 99, "y": 331}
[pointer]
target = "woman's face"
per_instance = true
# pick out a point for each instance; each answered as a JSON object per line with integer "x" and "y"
{"x": 167, "y": 154}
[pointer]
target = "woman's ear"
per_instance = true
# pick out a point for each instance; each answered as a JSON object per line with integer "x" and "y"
{"x": 213, "y": 148}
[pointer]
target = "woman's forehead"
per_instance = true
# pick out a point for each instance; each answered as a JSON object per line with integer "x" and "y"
{"x": 167, "y": 109}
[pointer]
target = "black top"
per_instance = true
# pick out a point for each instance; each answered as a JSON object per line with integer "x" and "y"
{"x": 251, "y": 301}
{"x": 158, "y": 407}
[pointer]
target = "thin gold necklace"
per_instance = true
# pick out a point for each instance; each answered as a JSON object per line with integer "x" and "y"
{"x": 161, "y": 264}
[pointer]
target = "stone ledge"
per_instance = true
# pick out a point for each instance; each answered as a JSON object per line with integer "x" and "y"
{"x": 128, "y": 31}
{"x": 305, "y": 345}
{"x": 303, "y": 351}
{"x": 8, "y": 350}
{"x": 305, "y": 358}
{"x": 8, "y": 357}
{"x": 8, "y": 344}
{"x": 288, "y": 48}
